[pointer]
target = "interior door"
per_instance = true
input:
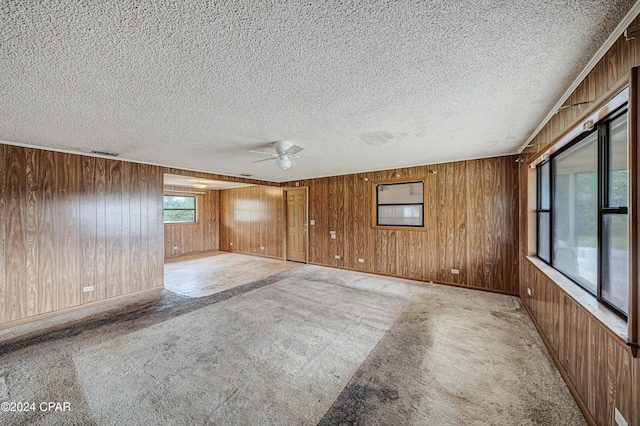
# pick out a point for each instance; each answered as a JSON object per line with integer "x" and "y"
{"x": 297, "y": 225}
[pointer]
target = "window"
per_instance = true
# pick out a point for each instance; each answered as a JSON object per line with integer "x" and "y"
{"x": 400, "y": 204}
{"x": 179, "y": 209}
{"x": 582, "y": 211}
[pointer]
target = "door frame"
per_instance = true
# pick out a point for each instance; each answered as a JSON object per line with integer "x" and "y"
{"x": 306, "y": 207}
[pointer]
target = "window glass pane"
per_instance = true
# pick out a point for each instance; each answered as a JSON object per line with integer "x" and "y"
{"x": 615, "y": 285}
{"x": 410, "y": 215}
{"x": 544, "y": 246}
{"x": 178, "y": 209}
{"x": 174, "y": 202}
{"x": 178, "y": 216}
{"x": 401, "y": 193}
{"x": 575, "y": 212}
{"x": 545, "y": 189}
{"x": 618, "y": 166}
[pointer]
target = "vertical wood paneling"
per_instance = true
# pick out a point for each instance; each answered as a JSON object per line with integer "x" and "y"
{"x": 155, "y": 243}
{"x": 125, "y": 270}
{"x": 599, "y": 365}
{"x": 432, "y": 249}
{"x": 471, "y": 217}
{"x": 135, "y": 225}
{"x": 339, "y": 220}
{"x": 143, "y": 279}
{"x": 46, "y": 193}
{"x": 198, "y": 237}
{"x": 31, "y": 232}
{"x": 114, "y": 230}
{"x": 449, "y": 206}
{"x": 101, "y": 228}
{"x": 61, "y": 221}
{"x": 88, "y": 226}
{"x": 16, "y": 262}
{"x": 460, "y": 221}
{"x": 251, "y": 218}
{"x": 68, "y": 230}
{"x": 3, "y": 229}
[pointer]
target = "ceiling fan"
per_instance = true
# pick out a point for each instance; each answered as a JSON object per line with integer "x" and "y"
{"x": 285, "y": 153}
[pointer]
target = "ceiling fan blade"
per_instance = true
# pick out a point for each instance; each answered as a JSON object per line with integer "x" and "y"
{"x": 266, "y": 159}
{"x": 294, "y": 150}
{"x": 264, "y": 153}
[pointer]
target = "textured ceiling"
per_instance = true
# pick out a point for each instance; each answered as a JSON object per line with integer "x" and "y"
{"x": 365, "y": 85}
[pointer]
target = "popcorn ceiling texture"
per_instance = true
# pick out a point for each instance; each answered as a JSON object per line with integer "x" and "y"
{"x": 367, "y": 84}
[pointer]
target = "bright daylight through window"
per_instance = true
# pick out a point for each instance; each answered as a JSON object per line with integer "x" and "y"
{"x": 178, "y": 209}
{"x": 582, "y": 211}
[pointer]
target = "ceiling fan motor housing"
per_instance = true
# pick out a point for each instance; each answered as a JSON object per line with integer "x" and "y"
{"x": 283, "y": 146}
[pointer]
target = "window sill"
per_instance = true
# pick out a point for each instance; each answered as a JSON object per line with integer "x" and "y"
{"x": 398, "y": 228}
{"x": 597, "y": 310}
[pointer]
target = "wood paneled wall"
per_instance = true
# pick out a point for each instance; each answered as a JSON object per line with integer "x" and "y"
{"x": 252, "y": 220}
{"x": 598, "y": 364}
{"x": 68, "y": 222}
{"x": 471, "y": 225}
{"x": 181, "y": 239}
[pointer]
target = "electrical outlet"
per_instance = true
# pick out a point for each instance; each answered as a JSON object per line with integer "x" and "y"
{"x": 361, "y": 260}
{"x": 455, "y": 271}
{"x": 620, "y": 420}
{"x": 87, "y": 288}
{"x": 333, "y": 234}
{"x": 312, "y": 222}
{"x": 337, "y": 257}
{"x": 175, "y": 247}
{"x": 528, "y": 291}
{"x": 230, "y": 244}
{"x": 261, "y": 248}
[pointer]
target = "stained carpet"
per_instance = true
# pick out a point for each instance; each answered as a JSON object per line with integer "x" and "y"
{"x": 310, "y": 345}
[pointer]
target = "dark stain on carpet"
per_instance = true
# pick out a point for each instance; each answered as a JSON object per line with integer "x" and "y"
{"x": 385, "y": 389}
{"x": 136, "y": 317}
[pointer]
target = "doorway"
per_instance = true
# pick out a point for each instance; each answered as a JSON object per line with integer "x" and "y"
{"x": 296, "y": 237}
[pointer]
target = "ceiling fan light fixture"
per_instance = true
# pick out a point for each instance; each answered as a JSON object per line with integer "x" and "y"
{"x": 283, "y": 163}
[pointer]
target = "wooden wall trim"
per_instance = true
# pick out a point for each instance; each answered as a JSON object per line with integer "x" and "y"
{"x": 148, "y": 291}
{"x": 423, "y": 280}
{"x": 601, "y": 103}
{"x": 634, "y": 215}
{"x": 374, "y": 213}
{"x": 576, "y": 395}
{"x": 611, "y": 322}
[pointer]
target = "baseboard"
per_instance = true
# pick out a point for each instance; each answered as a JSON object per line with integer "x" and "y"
{"x": 254, "y": 254}
{"x": 80, "y": 307}
{"x": 424, "y": 280}
{"x": 192, "y": 253}
{"x": 583, "y": 407}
